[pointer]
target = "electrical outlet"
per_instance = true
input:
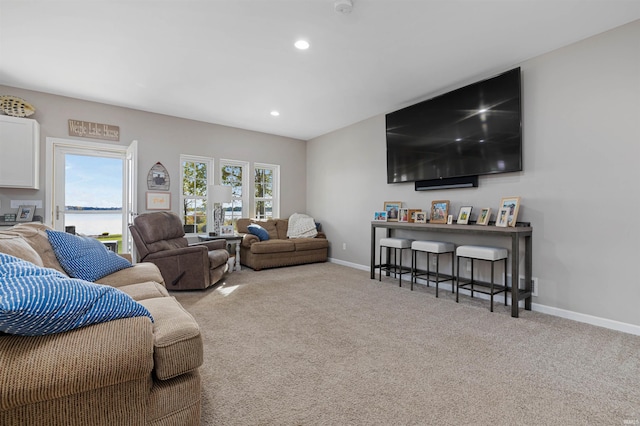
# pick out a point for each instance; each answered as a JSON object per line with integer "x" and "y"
{"x": 433, "y": 260}
{"x": 534, "y": 285}
{"x": 344, "y": 246}
{"x": 468, "y": 266}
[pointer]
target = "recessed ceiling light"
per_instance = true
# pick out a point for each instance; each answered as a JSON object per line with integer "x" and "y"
{"x": 301, "y": 44}
{"x": 275, "y": 113}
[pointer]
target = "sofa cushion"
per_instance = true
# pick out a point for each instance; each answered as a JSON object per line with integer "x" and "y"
{"x": 35, "y": 235}
{"x": 258, "y": 231}
{"x": 217, "y": 258}
{"x": 139, "y": 273}
{"x": 273, "y": 246}
{"x": 84, "y": 257}
{"x": 18, "y": 247}
{"x": 177, "y": 340}
{"x": 302, "y": 244}
{"x": 148, "y": 290}
{"x": 36, "y": 301}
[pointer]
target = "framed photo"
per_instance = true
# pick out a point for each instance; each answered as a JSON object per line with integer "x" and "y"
{"x": 158, "y": 201}
{"x": 421, "y": 217}
{"x": 25, "y": 213}
{"x": 503, "y": 217}
{"x": 380, "y": 216}
{"x": 485, "y": 215}
{"x": 439, "y": 211}
{"x": 463, "y": 215}
{"x": 412, "y": 214}
{"x": 393, "y": 210}
{"x": 226, "y": 230}
{"x": 513, "y": 204}
{"x": 450, "y": 219}
{"x": 403, "y": 215}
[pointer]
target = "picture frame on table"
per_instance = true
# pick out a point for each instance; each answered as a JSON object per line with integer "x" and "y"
{"x": 380, "y": 216}
{"x": 502, "y": 219}
{"x": 439, "y": 211}
{"x": 513, "y": 204}
{"x": 403, "y": 215}
{"x": 393, "y": 210}
{"x": 463, "y": 215}
{"x": 158, "y": 201}
{"x": 25, "y": 213}
{"x": 420, "y": 217}
{"x": 226, "y": 230}
{"x": 412, "y": 215}
{"x": 484, "y": 217}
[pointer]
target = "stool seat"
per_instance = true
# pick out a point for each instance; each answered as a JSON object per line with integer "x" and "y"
{"x": 396, "y": 242}
{"x": 432, "y": 246}
{"x": 481, "y": 252}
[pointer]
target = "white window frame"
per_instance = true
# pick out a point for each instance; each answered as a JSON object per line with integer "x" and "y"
{"x": 275, "y": 199}
{"x": 209, "y": 161}
{"x": 246, "y": 171}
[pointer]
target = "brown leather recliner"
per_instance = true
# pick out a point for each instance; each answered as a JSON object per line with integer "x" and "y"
{"x": 159, "y": 238}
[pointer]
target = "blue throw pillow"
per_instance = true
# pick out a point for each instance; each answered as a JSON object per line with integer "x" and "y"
{"x": 36, "y": 301}
{"x": 84, "y": 257}
{"x": 258, "y": 231}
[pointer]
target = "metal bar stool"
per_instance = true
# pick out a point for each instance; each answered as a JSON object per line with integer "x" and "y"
{"x": 395, "y": 244}
{"x": 489, "y": 254}
{"x": 435, "y": 248}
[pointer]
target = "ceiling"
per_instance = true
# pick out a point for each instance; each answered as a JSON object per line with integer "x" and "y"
{"x": 232, "y": 62}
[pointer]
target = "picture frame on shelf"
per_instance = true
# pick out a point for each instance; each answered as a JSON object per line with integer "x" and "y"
{"x": 421, "y": 217}
{"x": 513, "y": 204}
{"x": 412, "y": 215}
{"x": 158, "y": 201}
{"x": 484, "y": 217}
{"x": 393, "y": 210}
{"x": 463, "y": 215}
{"x": 439, "y": 211}
{"x": 450, "y": 219}
{"x": 25, "y": 213}
{"x": 502, "y": 219}
{"x": 403, "y": 215}
{"x": 380, "y": 216}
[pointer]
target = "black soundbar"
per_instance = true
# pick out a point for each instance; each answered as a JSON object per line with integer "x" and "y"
{"x": 447, "y": 183}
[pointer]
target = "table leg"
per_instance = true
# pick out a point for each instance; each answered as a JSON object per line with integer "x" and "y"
{"x": 237, "y": 266}
{"x": 515, "y": 275}
{"x": 373, "y": 251}
{"x": 528, "y": 272}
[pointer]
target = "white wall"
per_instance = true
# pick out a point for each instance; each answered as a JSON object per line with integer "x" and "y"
{"x": 163, "y": 138}
{"x": 579, "y": 186}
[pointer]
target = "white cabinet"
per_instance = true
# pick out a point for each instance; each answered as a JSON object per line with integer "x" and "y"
{"x": 19, "y": 152}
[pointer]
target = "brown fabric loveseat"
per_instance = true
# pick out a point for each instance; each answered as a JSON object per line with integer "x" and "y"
{"x": 279, "y": 250}
{"x": 122, "y": 372}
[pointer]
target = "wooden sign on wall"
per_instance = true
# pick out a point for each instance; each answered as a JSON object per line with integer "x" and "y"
{"x": 87, "y": 129}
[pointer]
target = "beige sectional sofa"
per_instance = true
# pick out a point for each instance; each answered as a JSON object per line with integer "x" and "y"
{"x": 127, "y": 371}
{"x": 279, "y": 250}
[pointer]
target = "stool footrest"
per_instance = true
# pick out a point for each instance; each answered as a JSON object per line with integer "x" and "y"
{"x": 432, "y": 275}
{"x": 497, "y": 288}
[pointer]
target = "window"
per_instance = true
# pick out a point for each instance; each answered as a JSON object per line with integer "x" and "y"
{"x": 233, "y": 173}
{"x": 193, "y": 198}
{"x": 266, "y": 199}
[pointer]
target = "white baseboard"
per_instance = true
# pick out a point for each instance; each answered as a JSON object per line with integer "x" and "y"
{"x": 549, "y": 310}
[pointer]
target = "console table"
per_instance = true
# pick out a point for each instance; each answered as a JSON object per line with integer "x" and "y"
{"x": 513, "y": 233}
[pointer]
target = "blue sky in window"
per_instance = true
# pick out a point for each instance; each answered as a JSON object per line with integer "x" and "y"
{"x": 93, "y": 181}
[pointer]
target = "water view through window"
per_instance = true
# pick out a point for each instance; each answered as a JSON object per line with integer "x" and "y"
{"x": 93, "y": 194}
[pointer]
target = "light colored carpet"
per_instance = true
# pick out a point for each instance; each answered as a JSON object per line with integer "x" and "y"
{"x": 325, "y": 344}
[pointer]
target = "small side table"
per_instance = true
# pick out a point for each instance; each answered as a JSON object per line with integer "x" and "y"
{"x": 235, "y": 239}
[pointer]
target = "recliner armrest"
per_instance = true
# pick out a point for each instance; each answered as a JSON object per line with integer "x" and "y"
{"x": 211, "y": 245}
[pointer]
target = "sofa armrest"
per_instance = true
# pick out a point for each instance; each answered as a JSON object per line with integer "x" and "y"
{"x": 42, "y": 368}
{"x": 211, "y": 245}
{"x": 248, "y": 239}
{"x": 183, "y": 265}
{"x": 321, "y": 235}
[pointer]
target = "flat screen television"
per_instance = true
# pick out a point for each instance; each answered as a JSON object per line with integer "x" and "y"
{"x": 471, "y": 131}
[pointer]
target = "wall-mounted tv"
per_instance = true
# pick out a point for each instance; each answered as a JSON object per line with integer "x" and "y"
{"x": 471, "y": 131}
